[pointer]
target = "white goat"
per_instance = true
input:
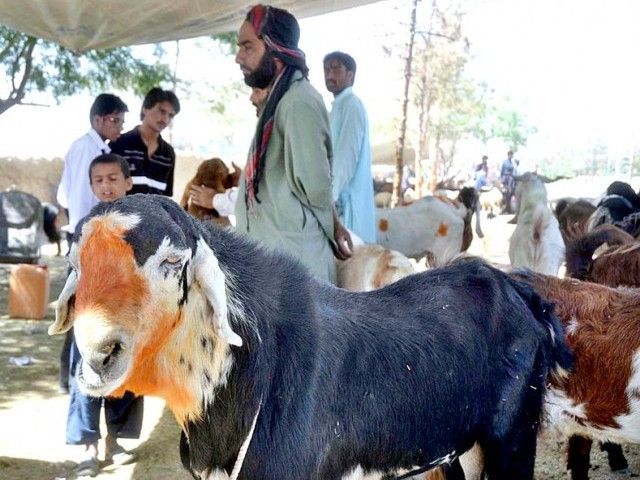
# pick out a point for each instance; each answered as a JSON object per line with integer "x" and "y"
{"x": 433, "y": 226}
{"x": 536, "y": 242}
{"x": 372, "y": 267}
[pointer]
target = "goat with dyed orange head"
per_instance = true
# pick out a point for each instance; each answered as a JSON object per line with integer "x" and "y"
{"x": 275, "y": 375}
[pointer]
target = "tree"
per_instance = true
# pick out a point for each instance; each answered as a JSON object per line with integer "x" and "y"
{"x": 458, "y": 118}
{"x": 511, "y": 127}
{"x": 32, "y": 65}
{"x": 397, "y": 178}
{"x": 450, "y": 106}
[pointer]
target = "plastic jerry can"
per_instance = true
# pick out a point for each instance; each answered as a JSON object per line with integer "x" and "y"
{"x": 29, "y": 291}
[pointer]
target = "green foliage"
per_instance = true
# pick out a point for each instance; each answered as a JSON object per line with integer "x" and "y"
{"x": 511, "y": 127}
{"x": 227, "y": 42}
{"x": 635, "y": 162}
{"x": 450, "y": 105}
{"x": 31, "y": 65}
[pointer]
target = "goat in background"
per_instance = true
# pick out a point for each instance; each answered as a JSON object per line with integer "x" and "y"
{"x": 212, "y": 173}
{"x": 536, "y": 242}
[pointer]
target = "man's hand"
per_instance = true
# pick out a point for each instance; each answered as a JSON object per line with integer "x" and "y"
{"x": 202, "y": 196}
{"x": 343, "y": 241}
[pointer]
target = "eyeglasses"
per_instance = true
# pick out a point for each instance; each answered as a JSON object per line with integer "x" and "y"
{"x": 118, "y": 121}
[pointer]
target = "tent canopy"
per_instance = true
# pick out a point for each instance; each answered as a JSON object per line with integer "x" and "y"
{"x": 82, "y": 25}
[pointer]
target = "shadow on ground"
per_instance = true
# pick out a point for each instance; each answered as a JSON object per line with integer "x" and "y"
{"x": 159, "y": 456}
{"x": 29, "y": 339}
{"x": 14, "y": 468}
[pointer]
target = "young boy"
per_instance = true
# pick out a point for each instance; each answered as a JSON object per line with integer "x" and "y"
{"x": 110, "y": 179}
{"x": 106, "y": 117}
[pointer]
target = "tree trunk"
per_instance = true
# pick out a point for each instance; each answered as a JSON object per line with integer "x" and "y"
{"x": 433, "y": 177}
{"x": 425, "y": 110}
{"x": 397, "y": 178}
{"x": 18, "y": 91}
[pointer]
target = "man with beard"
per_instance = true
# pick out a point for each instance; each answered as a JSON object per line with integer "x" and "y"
{"x": 352, "y": 181}
{"x": 284, "y": 198}
{"x": 151, "y": 159}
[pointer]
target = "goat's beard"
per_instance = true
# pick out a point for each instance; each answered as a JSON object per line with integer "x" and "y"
{"x": 264, "y": 74}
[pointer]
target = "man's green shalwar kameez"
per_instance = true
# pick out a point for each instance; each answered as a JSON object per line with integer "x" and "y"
{"x": 294, "y": 207}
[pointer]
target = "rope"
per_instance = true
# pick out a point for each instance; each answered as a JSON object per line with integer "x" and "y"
{"x": 245, "y": 446}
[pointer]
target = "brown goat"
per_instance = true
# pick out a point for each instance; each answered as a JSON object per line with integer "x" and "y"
{"x": 573, "y": 216}
{"x": 618, "y": 264}
{"x": 212, "y": 173}
{"x": 598, "y": 398}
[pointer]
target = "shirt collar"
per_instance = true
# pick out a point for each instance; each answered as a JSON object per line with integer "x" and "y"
{"x": 137, "y": 130}
{"x": 344, "y": 93}
{"x": 101, "y": 144}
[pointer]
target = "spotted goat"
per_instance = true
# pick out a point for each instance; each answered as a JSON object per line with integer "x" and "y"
{"x": 609, "y": 256}
{"x": 371, "y": 267}
{"x": 274, "y": 375}
{"x": 599, "y": 398}
{"x": 434, "y": 227}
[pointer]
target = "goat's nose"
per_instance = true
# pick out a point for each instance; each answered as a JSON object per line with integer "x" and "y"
{"x": 103, "y": 356}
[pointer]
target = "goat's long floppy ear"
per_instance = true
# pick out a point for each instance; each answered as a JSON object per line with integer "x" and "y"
{"x": 212, "y": 280}
{"x": 64, "y": 306}
{"x": 477, "y": 212}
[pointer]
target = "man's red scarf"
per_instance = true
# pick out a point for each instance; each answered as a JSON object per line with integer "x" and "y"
{"x": 280, "y": 33}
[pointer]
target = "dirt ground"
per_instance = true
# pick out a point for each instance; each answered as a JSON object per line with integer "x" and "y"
{"x": 33, "y": 412}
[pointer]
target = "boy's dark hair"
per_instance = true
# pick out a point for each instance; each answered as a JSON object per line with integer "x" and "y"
{"x": 344, "y": 58}
{"x": 107, "y": 158}
{"x": 105, "y": 104}
{"x": 158, "y": 95}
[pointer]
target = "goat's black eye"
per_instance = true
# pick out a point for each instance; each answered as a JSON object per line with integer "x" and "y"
{"x": 172, "y": 260}
{"x": 171, "y": 265}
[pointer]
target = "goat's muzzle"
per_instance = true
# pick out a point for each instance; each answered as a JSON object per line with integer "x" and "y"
{"x": 106, "y": 355}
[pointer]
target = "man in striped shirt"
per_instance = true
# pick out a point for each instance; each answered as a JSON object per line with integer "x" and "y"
{"x": 151, "y": 159}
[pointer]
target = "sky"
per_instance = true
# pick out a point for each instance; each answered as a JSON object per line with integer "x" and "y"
{"x": 570, "y": 66}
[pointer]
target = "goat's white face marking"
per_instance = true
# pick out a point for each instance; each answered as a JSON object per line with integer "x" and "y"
{"x": 164, "y": 271}
{"x": 162, "y": 326}
{"x": 95, "y": 380}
